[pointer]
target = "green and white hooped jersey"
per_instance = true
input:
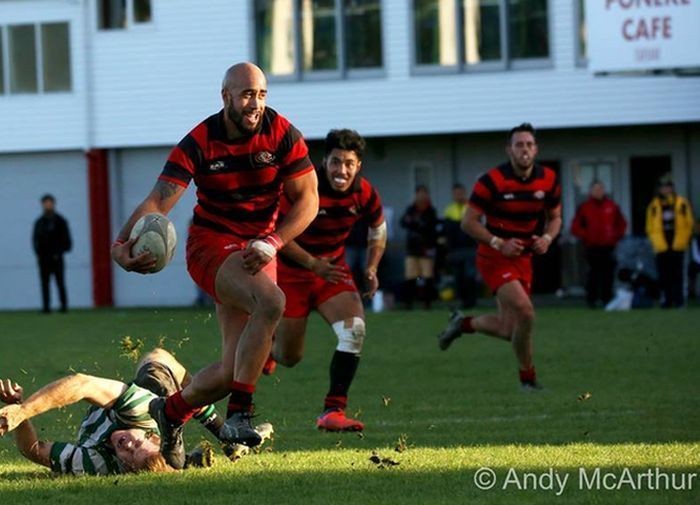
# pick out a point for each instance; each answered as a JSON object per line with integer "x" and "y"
{"x": 92, "y": 454}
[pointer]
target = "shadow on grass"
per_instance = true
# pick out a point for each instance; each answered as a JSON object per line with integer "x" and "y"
{"x": 360, "y": 484}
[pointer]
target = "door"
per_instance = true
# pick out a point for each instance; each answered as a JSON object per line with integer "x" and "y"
{"x": 645, "y": 172}
{"x": 546, "y": 269}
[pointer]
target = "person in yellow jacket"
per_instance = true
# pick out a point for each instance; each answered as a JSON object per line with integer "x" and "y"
{"x": 669, "y": 226}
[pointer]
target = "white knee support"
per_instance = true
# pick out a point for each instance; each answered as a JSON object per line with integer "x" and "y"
{"x": 350, "y": 338}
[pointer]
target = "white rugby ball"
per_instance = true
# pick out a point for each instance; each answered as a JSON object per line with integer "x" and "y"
{"x": 156, "y": 234}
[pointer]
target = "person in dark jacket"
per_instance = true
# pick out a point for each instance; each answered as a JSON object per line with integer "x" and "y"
{"x": 420, "y": 221}
{"x": 599, "y": 223}
{"x": 51, "y": 240}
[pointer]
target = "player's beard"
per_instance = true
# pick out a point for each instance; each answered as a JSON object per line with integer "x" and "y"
{"x": 518, "y": 164}
{"x": 237, "y": 119}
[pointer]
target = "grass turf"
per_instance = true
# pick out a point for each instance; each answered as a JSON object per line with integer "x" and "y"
{"x": 621, "y": 392}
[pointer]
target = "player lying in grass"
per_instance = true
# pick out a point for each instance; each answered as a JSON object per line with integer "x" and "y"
{"x": 117, "y": 434}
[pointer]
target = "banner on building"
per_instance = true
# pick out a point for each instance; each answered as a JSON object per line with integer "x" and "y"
{"x": 627, "y": 35}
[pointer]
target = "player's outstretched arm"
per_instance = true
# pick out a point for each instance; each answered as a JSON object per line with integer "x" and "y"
{"x": 26, "y": 440}
{"x": 162, "y": 198}
{"x": 65, "y": 391}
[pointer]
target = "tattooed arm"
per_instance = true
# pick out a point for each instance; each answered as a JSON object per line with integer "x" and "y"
{"x": 162, "y": 198}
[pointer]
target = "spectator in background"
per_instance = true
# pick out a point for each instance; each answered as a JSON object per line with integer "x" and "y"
{"x": 600, "y": 225}
{"x": 694, "y": 263}
{"x": 420, "y": 221}
{"x": 669, "y": 227}
{"x": 461, "y": 248}
{"x": 51, "y": 240}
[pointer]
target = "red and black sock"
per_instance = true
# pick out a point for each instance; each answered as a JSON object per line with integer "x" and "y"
{"x": 241, "y": 399}
{"x": 178, "y": 410}
{"x": 466, "y": 325}
{"x": 342, "y": 372}
{"x": 528, "y": 375}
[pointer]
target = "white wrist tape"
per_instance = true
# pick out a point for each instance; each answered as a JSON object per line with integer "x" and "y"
{"x": 377, "y": 234}
{"x": 264, "y": 247}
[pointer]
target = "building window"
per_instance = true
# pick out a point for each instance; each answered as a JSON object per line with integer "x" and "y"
{"x": 55, "y": 50}
{"x": 274, "y": 36}
{"x": 482, "y": 31}
{"x": 38, "y": 58}
{"x": 319, "y": 35}
{"x": 300, "y": 38}
{"x": 22, "y": 52}
{"x": 120, "y": 14}
{"x": 470, "y": 33}
{"x": 435, "y": 30}
{"x": 528, "y": 29}
{"x": 2, "y": 63}
{"x": 581, "y": 35}
{"x": 363, "y": 33}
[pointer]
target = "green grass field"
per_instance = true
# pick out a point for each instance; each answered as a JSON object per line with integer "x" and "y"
{"x": 621, "y": 392}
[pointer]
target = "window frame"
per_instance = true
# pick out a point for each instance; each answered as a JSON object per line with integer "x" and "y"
{"x": 4, "y": 61}
{"x": 579, "y": 16}
{"x": 131, "y": 25}
{"x": 505, "y": 63}
{"x": 39, "y": 64}
{"x": 343, "y": 71}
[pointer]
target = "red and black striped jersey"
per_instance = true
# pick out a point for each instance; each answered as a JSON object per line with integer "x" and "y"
{"x": 515, "y": 207}
{"x": 239, "y": 182}
{"x": 337, "y": 213}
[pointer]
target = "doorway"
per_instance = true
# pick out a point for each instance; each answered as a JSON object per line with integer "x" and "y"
{"x": 547, "y": 274}
{"x": 645, "y": 172}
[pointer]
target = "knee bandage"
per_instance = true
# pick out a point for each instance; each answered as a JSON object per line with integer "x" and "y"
{"x": 350, "y": 338}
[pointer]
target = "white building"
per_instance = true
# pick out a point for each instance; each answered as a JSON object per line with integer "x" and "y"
{"x": 433, "y": 84}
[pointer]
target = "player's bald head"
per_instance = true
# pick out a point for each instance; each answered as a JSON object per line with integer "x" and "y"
{"x": 244, "y": 75}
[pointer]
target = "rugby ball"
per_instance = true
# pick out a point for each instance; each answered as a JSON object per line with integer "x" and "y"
{"x": 156, "y": 234}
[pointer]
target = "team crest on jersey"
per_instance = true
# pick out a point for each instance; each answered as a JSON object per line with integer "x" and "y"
{"x": 539, "y": 195}
{"x": 353, "y": 210}
{"x": 217, "y": 166}
{"x": 264, "y": 158}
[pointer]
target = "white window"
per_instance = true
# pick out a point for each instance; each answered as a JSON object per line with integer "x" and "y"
{"x": 468, "y": 34}
{"x": 36, "y": 58}
{"x": 121, "y": 14}
{"x": 22, "y": 64}
{"x": 2, "y": 62}
{"x": 332, "y": 38}
{"x": 55, "y": 56}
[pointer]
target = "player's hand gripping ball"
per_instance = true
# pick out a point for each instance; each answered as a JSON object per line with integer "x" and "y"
{"x": 156, "y": 235}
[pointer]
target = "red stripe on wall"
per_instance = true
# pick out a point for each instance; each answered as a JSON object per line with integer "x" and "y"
{"x": 100, "y": 232}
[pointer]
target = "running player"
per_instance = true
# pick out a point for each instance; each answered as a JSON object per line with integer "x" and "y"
{"x": 313, "y": 274}
{"x": 515, "y": 198}
{"x": 241, "y": 160}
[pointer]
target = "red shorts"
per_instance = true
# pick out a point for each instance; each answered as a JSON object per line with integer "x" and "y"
{"x": 305, "y": 290}
{"x": 207, "y": 250}
{"x": 499, "y": 270}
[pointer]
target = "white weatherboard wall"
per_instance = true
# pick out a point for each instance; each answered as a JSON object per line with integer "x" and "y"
{"x": 46, "y": 121}
{"x": 152, "y": 84}
{"x": 24, "y": 178}
{"x": 153, "y": 96}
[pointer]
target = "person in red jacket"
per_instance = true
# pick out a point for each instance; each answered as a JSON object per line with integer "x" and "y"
{"x": 600, "y": 225}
